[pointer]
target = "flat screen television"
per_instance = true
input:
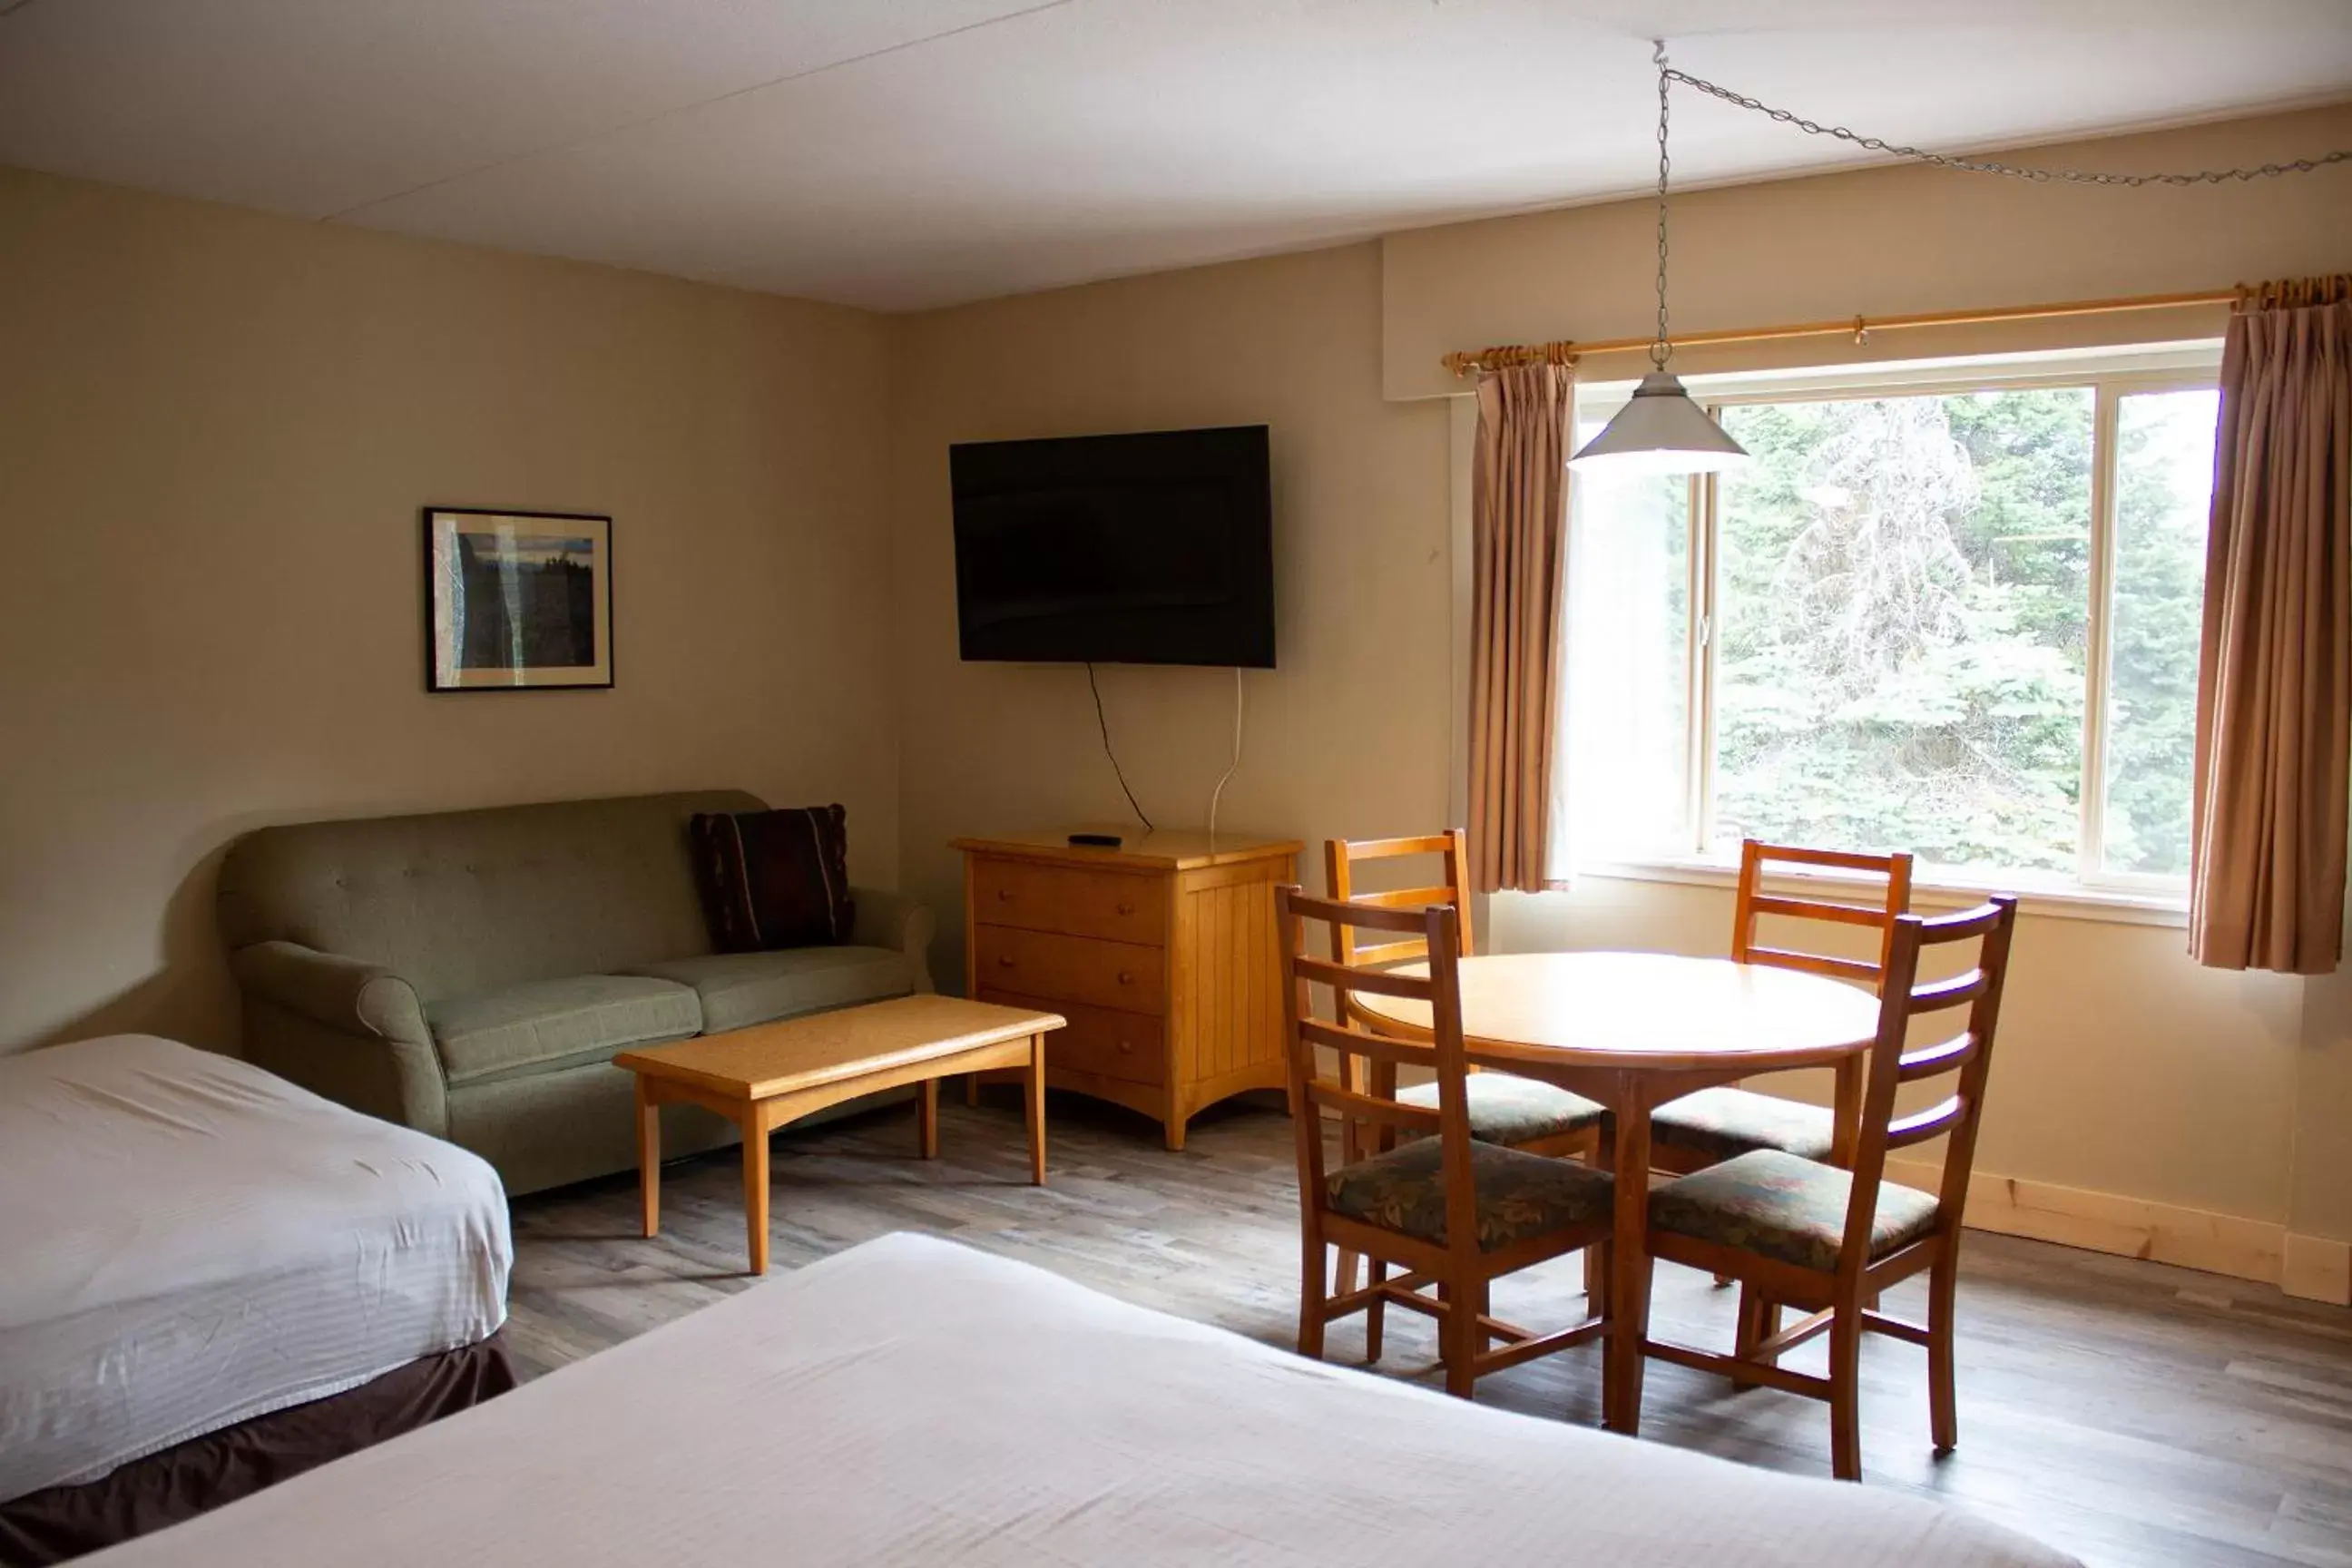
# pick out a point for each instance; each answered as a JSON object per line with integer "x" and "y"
{"x": 1152, "y": 549}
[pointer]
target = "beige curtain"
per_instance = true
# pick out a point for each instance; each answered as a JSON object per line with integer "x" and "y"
{"x": 2275, "y": 685}
{"x": 1518, "y": 511}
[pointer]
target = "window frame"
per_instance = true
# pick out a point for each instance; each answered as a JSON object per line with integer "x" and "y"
{"x": 2111, "y": 375}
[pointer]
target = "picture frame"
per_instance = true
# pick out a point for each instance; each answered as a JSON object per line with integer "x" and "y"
{"x": 517, "y": 601}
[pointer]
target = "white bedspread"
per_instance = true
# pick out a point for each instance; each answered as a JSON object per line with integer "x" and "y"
{"x": 186, "y": 1241}
{"x": 912, "y": 1402}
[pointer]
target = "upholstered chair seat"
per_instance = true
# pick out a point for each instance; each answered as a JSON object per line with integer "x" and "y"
{"x": 1506, "y": 1108}
{"x": 1783, "y": 1207}
{"x": 1724, "y": 1124}
{"x": 1519, "y": 1194}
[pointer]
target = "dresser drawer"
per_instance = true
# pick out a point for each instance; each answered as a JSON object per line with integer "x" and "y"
{"x": 1102, "y": 1040}
{"x": 1071, "y": 900}
{"x": 1070, "y": 968}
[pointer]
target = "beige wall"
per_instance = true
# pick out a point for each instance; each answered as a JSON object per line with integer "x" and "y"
{"x": 1347, "y": 734}
{"x": 2198, "y": 1107}
{"x": 1875, "y": 243}
{"x": 2320, "y": 1202}
{"x": 216, "y": 429}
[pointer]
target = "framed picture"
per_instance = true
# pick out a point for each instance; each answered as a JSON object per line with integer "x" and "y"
{"x": 517, "y": 600}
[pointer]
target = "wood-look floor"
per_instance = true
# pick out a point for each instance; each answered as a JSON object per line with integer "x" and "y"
{"x": 2140, "y": 1415}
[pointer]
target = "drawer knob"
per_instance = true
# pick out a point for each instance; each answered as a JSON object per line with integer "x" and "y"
{"x": 1126, "y": 908}
{"x": 1124, "y": 1046}
{"x": 1004, "y": 895}
{"x": 1002, "y": 962}
{"x": 1127, "y": 977}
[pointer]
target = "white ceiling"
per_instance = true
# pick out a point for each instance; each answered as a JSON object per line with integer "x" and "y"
{"x": 903, "y": 153}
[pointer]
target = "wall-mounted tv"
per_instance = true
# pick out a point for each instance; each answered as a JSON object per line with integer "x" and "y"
{"x": 1152, "y": 549}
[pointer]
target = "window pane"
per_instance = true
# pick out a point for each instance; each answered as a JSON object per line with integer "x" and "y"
{"x": 2164, "y": 486}
{"x": 1902, "y": 606}
{"x": 1629, "y": 662}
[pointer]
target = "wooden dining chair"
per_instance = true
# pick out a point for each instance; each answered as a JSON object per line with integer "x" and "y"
{"x": 1804, "y": 1234}
{"x": 1503, "y": 1109}
{"x": 1714, "y": 1125}
{"x": 1452, "y": 1213}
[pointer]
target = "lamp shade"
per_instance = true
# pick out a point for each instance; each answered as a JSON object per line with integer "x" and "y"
{"x": 1661, "y": 431}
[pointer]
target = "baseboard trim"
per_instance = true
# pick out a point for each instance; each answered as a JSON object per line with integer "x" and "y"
{"x": 2316, "y": 1268}
{"x": 2127, "y": 1227}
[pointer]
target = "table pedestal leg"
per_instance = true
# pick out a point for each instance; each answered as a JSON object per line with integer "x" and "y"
{"x": 1848, "y": 1112}
{"x": 1629, "y": 1266}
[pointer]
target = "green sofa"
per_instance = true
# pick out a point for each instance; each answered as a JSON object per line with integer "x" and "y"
{"x": 471, "y": 974}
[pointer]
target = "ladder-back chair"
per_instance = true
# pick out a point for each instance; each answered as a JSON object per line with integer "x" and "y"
{"x": 1451, "y": 1213}
{"x": 1802, "y": 1234}
{"x": 1696, "y": 1131}
{"x": 1504, "y": 1107}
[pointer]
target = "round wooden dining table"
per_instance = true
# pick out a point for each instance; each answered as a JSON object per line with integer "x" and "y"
{"x": 1633, "y": 1030}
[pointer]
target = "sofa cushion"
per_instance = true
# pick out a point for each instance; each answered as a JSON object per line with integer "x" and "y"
{"x": 773, "y": 879}
{"x": 544, "y": 1023}
{"x": 739, "y": 989}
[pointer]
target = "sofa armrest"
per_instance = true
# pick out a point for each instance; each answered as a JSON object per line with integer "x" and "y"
{"x": 897, "y": 921}
{"x": 347, "y": 995}
{"x": 341, "y": 1027}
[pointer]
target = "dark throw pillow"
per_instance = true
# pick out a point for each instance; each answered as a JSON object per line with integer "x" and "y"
{"x": 773, "y": 879}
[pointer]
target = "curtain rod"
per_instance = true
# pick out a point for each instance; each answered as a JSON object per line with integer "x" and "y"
{"x": 1567, "y": 351}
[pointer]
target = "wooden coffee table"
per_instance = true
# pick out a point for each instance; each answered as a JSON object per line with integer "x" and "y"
{"x": 763, "y": 1077}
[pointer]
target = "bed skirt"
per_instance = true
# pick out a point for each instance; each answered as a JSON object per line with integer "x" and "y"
{"x": 58, "y": 1524}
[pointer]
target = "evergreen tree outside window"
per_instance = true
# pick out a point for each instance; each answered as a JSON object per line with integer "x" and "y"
{"x": 1959, "y": 618}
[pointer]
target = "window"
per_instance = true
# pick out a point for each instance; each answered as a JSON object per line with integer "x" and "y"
{"x": 1953, "y": 610}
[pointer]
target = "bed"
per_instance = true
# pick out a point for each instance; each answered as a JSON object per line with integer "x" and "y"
{"x": 214, "y": 1280}
{"x": 910, "y": 1400}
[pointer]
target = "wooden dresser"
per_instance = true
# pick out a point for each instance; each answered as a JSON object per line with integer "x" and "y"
{"x": 1161, "y": 953}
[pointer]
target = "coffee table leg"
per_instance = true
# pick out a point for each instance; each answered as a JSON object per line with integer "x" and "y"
{"x": 927, "y": 1118}
{"x": 755, "y": 1186}
{"x": 1036, "y": 1098}
{"x": 649, "y": 1159}
{"x": 1629, "y": 1265}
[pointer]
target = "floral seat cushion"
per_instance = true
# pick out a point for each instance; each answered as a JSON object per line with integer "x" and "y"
{"x": 1504, "y": 1108}
{"x": 1519, "y": 1194}
{"x": 1722, "y": 1123}
{"x": 1783, "y": 1207}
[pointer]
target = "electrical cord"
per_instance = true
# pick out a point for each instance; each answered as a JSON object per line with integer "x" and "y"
{"x": 1218, "y": 793}
{"x": 1105, "y": 725}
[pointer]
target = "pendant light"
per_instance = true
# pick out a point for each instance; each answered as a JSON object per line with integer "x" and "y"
{"x": 1660, "y": 430}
